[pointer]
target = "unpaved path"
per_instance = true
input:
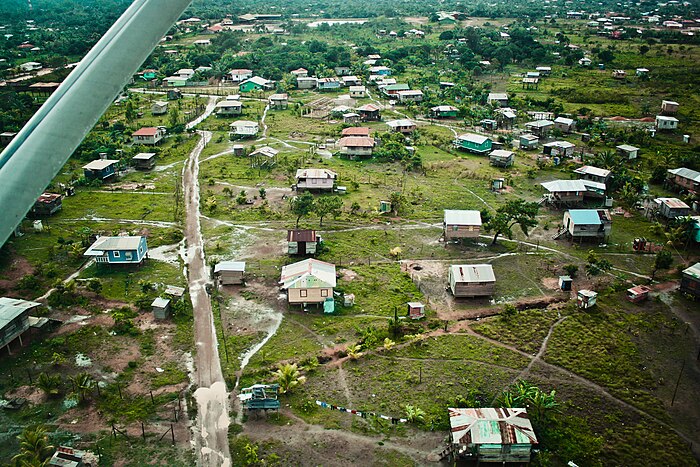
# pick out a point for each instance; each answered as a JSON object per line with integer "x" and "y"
{"x": 211, "y": 430}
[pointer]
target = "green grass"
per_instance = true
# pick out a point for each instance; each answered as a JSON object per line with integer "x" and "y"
{"x": 526, "y": 330}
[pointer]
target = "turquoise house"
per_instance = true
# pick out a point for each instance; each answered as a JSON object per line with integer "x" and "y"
{"x": 256, "y": 83}
{"x": 118, "y": 250}
{"x": 478, "y": 144}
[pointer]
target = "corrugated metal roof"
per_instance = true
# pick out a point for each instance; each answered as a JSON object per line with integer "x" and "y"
{"x": 693, "y": 271}
{"x": 230, "y": 266}
{"x": 100, "y": 164}
{"x": 266, "y": 151}
{"x": 497, "y": 96}
{"x": 585, "y": 216}
{"x": 560, "y": 144}
{"x": 301, "y": 235}
{"x": 308, "y": 273}
{"x": 103, "y": 244}
{"x": 356, "y": 131}
{"x": 316, "y": 173}
{"x": 400, "y": 123}
{"x": 11, "y": 308}
{"x": 160, "y": 302}
{"x": 228, "y": 103}
{"x": 501, "y": 154}
{"x": 444, "y": 108}
{"x": 356, "y": 141}
{"x": 462, "y": 217}
{"x": 564, "y": 185}
{"x": 590, "y": 170}
{"x": 627, "y": 147}
{"x": 368, "y": 108}
{"x": 502, "y": 426}
{"x": 144, "y": 156}
{"x": 686, "y": 173}
{"x": 473, "y": 273}
{"x": 539, "y": 124}
{"x": 672, "y": 203}
{"x": 146, "y": 131}
{"x": 473, "y": 138}
{"x": 564, "y": 121}
{"x": 664, "y": 118}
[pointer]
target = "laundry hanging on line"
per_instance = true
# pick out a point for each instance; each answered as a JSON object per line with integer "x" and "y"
{"x": 393, "y": 420}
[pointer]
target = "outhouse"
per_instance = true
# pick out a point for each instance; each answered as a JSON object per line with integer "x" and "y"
{"x": 161, "y": 308}
{"x": 638, "y": 294}
{"x": 565, "y": 282}
{"x": 416, "y": 310}
{"x": 586, "y": 298}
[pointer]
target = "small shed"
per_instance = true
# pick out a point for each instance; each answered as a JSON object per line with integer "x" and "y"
{"x": 669, "y": 107}
{"x": 159, "y": 108}
{"x": 638, "y": 293}
{"x": 161, "y": 308}
{"x": 230, "y": 272}
{"x": 384, "y": 206}
{"x": 238, "y": 150}
{"x": 586, "y": 298}
{"x": 565, "y": 283}
{"x": 348, "y": 299}
{"x": 416, "y": 310}
{"x": 664, "y": 122}
{"x": 461, "y": 224}
{"x": 174, "y": 291}
{"x": 670, "y": 208}
{"x": 260, "y": 397}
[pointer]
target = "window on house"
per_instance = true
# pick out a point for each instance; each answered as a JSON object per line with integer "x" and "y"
{"x": 303, "y": 293}
{"x": 324, "y": 292}
{"x": 116, "y": 254}
{"x": 128, "y": 256}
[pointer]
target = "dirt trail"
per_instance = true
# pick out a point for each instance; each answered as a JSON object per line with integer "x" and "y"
{"x": 211, "y": 431}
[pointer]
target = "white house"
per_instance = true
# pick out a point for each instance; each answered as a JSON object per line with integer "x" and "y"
{"x": 244, "y": 128}
{"x": 315, "y": 179}
{"x": 664, "y": 122}
{"x": 240, "y": 74}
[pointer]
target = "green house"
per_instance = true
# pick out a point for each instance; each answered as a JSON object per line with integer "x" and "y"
{"x": 478, "y": 144}
{"x": 256, "y": 83}
{"x": 444, "y": 111}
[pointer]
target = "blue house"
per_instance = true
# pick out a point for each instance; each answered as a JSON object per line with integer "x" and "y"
{"x": 118, "y": 250}
{"x": 328, "y": 84}
{"x": 478, "y": 144}
{"x": 100, "y": 169}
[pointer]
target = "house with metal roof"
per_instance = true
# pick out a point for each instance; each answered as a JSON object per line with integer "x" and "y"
{"x": 501, "y": 158}
{"x": 580, "y": 224}
{"x": 669, "y": 107}
{"x": 308, "y": 281}
{"x": 260, "y": 397}
{"x": 392, "y": 90}
{"x": 403, "y": 125}
{"x": 100, "y": 169}
{"x": 46, "y": 205}
{"x": 528, "y": 141}
{"x": 14, "y": 319}
{"x": 499, "y": 99}
{"x": 244, "y": 128}
{"x": 357, "y": 91}
{"x": 690, "y": 280}
{"x": 444, "y": 111}
{"x": 118, "y": 250}
{"x": 627, "y": 151}
{"x": 303, "y": 242}
{"x": 144, "y": 160}
{"x": 369, "y": 113}
{"x": 472, "y": 142}
{"x": 540, "y": 128}
{"x": 307, "y": 82}
{"x": 148, "y": 135}
{"x": 161, "y": 308}
{"x": 471, "y": 280}
{"x": 356, "y": 146}
{"x": 565, "y": 125}
{"x": 572, "y": 191}
{"x": 595, "y": 174}
{"x": 686, "y": 179}
{"x": 230, "y": 272}
{"x": 159, "y": 108}
{"x": 492, "y": 434}
{"x": 670, "y": 208}
{"x": 256, "y": 83}
{"x": 410, "y": 95}
{"x": 664, "y": 122}
{"x": 355, "y": 131}
{"x": 328, "y": 84}
{"x": 228, "y": 107}
{"x": 315, "y": 179}
{"x": 264, "y": 156}
{"x": 559, "y": 149}
{"x": 461, "y": 224}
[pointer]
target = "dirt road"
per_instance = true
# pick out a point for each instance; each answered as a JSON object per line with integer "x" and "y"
{"x": 211, "y": 431}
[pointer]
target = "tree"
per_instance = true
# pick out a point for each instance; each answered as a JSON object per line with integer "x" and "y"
{"x": 84, "y": 384}
{"x": 629, "y": 196}
{"x": 525, "y": 394}
{"x": 94, "y": 285}
{"x": 34, "y": 447}
{"x": 326, "y": 205}
{"x": 517, "y": 212}
{"x": 130, "y": 112}
{"x": 398, "y": 202}
{"x": 50, "y": 384}
{"x": 302, "y": 205}
{"x": 663, "y": 260}
{"x": 597, "y": 265}
{"x": 173, "y": 117}
{"x": 288, "y": 376}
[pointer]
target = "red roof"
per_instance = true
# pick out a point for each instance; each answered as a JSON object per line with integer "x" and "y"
{"x": 368, "y": 108}
{"x": 357, "y": 142}
{"x": 356, "y": 131}
{"x": 48, "y": 198}
{"x": 147, "y": 131}
{"x": 301, "y": 235}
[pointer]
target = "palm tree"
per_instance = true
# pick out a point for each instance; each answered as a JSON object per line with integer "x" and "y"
{"x": 84, "y": 384}
{"x": 50, "y": 384}
{"x": 288, "y": 376}
{"x": 525, "y": 394}
{"x": 34, "y": 447}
